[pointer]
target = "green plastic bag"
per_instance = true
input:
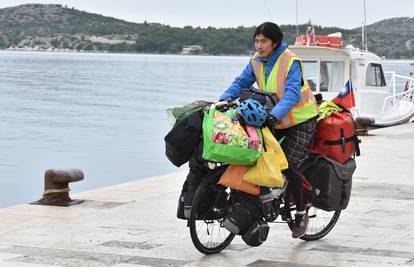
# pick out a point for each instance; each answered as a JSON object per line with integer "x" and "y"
{"x": 177, "y": 114}
{"x": 225, "y": 139}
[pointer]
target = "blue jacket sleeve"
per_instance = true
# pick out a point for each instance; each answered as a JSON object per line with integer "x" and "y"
{"x": 292, "y": 94}
{"x": 245, "y": 80}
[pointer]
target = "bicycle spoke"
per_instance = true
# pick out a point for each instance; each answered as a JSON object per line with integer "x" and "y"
{"x": 202, "y": 231}
{"x": 211, "y": 233}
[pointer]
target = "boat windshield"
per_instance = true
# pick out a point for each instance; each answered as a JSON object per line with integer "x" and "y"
{"x": 325, "y": 76}
{"x": 310, "y": 71}
{"x": 375, "y": 75}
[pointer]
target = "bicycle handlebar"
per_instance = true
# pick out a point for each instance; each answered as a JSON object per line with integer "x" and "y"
{"x": 227, "y": 103}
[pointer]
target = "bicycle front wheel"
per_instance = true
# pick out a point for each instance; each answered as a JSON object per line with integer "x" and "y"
{"x": 207, "y": 233}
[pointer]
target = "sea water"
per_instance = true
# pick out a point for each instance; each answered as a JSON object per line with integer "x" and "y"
{"x": 101, "y": 113}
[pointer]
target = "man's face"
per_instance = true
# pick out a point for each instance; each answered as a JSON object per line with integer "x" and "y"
{"x": 263, "y": 45}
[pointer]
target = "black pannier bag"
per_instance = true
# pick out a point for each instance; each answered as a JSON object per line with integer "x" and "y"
{"x": 211, "y": 207}
{"x": 257, "y": 233}
{"x": 213, "y": 201}
{"x": 239, "y": 219}
{"x": 267, "y": 99}
{"x": 243, "y": 212}
{"x": 331, "y": 182}
{"x": 181, "y": 141}
{"x": 180, "y": 207}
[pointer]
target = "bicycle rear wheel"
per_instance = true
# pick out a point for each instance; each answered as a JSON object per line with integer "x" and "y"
{"x": 207, "y": 233}
{"x": 320, "y": 223}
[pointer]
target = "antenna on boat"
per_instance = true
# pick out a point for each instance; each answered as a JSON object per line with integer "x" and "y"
{"x": 268, "y": 10}
{"x": 297, "y": 19}
{"x": 363, "y": 35}
{"x": 364, "y": 30}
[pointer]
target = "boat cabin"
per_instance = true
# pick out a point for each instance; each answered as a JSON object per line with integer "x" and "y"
{"x": 327, "y": 70}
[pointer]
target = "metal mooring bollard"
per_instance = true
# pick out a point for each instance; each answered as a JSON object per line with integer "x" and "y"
{"x": 57, "y": 187}
{"x": 362, "y": 125}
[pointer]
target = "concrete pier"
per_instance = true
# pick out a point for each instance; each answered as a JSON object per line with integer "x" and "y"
{"x": 134, "y": 224}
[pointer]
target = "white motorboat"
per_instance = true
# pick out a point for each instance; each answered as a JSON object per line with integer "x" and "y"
{"x": 378, "y": 97}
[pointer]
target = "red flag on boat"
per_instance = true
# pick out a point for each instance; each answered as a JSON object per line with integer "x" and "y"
{"x": 346, "y": 97}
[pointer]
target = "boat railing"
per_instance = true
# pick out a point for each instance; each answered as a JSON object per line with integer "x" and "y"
{"x": 394, "y": 82}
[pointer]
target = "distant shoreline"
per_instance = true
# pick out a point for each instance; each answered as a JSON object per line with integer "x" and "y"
{"x": 409, "y": 60}
{"x": 56, "y": 27}
{"x": 121, "y": 52}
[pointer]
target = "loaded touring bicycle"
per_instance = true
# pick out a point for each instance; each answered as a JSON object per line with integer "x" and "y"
{"x": 212, "y": 202}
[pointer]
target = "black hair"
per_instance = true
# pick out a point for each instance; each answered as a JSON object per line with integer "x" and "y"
{"x": 270, "y": 30}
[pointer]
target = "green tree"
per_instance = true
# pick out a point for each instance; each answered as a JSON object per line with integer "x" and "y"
{"x": 55, "y": 43}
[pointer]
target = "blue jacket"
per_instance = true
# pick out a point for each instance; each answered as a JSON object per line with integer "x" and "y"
{"x": 293, "y": 83}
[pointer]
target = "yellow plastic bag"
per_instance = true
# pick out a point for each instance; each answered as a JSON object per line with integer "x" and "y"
{"x": 267, "y": 171}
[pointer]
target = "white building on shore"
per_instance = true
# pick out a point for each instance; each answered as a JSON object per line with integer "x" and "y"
{"x": 192, "y": 50}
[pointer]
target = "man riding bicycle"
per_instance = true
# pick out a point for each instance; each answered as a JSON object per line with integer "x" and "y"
{"x": 277, "y": 70}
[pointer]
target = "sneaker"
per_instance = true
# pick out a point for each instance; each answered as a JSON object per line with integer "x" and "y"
{"x": 299, "y": 225}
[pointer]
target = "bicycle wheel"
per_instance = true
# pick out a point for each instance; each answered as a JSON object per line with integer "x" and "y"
{"x": 320, "y": 223}
{"x": 207, "y": 233}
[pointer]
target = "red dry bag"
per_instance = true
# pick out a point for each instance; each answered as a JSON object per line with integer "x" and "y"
{"x": 336, "y": 137}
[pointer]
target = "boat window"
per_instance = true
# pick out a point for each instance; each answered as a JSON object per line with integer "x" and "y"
{"x": 375, "y": 75}
{"x": 310, "y": 73}
{"x": 331, "y": 76}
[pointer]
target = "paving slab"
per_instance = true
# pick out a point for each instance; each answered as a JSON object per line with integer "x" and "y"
{"x": 134, "y": 224}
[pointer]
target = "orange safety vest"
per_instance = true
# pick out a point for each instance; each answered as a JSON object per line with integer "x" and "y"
{"x": 276, "y": 82}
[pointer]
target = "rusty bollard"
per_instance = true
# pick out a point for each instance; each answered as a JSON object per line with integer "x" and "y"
{"x": 57, "y": 187}
{"x": 362, "y": 124}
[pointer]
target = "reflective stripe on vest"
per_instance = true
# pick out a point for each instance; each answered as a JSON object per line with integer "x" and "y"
{"x": 276, "y": 82}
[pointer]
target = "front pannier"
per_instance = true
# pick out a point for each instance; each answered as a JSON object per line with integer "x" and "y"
{"x": 331, "y": 182}
{"x": 243, "y": 212}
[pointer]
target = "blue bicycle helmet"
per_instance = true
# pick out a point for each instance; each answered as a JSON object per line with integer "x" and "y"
{"x": 252, "y": 112}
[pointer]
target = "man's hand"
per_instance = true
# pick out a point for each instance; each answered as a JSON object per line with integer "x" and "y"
{"x": 225, "y": 105}
{"x": 270, "y": 121}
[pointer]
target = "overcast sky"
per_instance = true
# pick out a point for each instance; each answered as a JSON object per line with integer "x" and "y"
{"x": 231, "y": 13}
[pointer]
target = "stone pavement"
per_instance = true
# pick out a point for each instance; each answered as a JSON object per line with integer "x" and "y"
{"x": 134, "y": 224}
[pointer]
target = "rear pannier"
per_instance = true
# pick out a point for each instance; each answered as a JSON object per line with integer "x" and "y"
{"x": 331, "y": 182}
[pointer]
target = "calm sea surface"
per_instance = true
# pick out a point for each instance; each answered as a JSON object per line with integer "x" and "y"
{"x": 101, "y": 113}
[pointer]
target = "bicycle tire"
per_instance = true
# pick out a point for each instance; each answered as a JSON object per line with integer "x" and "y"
{"x": 193, "y": 227}
{"x": 325, "y": 229}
